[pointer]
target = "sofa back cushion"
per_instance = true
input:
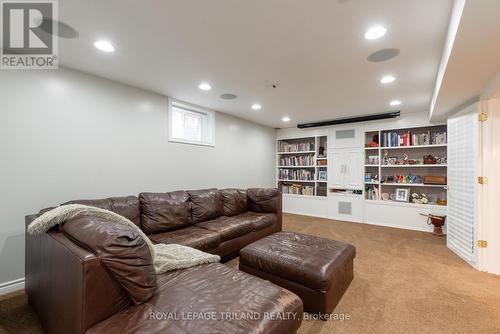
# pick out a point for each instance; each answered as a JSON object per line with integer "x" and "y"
{"x": 264, "y": 200}
{"x": 164, "y": 211}
{"x": 127, "y": 207}
{"x": 234, "y": 201}
{"x": 122, "y": 251}
{"x": 206, "y": 204}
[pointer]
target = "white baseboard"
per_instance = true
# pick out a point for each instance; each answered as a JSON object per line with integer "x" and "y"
{"x": 11, "y": 286}
{"x": 404, "y": 227}
{"x": 304, "y": 214}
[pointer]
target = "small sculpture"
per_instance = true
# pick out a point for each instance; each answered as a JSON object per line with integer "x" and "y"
{"x": 385, "y": 160}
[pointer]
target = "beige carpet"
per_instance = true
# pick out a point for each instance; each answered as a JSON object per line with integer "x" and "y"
{"x": 404, "y": 282}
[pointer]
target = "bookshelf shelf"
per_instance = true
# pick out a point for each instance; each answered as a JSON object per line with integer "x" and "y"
{"x": 300, "y": 181}
{"x": 400, "y": 156}
{"x": 405, "y": 204}
{"x": 414, "y": 166}
{"x": 414, "y": 185}
{"x": 298, "y": 158}
{"x": 298, "y": 152}
{"x": 411, "y": 147}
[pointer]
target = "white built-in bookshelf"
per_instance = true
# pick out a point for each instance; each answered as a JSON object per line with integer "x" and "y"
{"x": 302, "y": 166}
{"x": 412, "y": 160}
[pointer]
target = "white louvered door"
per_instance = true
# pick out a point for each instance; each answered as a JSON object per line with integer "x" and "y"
{"x": 463, "y": 162}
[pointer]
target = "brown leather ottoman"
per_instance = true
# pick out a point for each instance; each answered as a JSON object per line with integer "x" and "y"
{"x": 318, "y": 270}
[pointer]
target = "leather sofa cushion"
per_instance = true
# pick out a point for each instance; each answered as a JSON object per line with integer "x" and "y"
{"x": 191, "y": 236}
{"x": 127, "y": 207}
{"x": 210, "y": 288}
{"x": 206, "y": 204}
{"x": 234, "y": 201}
{"x": 121, "y": 250}
{"x": 258, "y": 220}
{"x": 228, "y": 227}
{"x": 264, "y": 200}
{"x": 162, "y": 212}
{"x": 301, "y": 258}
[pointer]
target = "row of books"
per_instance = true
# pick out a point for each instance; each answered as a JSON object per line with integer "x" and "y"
{"x": 296, "y": 174}
{"x": 295, "y": 147}
{"x": 298, "y": 160}
{"x": 297, "y": 189}
{"x": 395, "y": 139}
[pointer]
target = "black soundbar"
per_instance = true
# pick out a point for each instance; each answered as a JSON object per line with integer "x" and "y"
{"x": 374, "y": 117}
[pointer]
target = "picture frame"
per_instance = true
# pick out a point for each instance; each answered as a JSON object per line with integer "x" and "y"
{"x": 401, "y": 194}
{"x": 322, "y": 175}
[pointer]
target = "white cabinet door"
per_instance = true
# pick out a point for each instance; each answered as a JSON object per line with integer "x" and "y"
{"x": 336, "y": 169}
{"x": 353, "y": 168}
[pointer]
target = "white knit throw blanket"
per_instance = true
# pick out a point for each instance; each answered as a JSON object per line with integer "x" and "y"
{"x": 166, "y": 256}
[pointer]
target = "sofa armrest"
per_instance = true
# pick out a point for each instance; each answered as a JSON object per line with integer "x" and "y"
{"x": 266, "y": 200}
{"x": 67, "y": 285}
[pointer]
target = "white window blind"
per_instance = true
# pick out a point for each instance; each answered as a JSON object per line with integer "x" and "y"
{"x": 463, "y": 155}
{"x": 191, "y": 125}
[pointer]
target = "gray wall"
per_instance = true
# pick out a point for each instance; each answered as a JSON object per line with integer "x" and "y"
{"x": 67, "y": 135}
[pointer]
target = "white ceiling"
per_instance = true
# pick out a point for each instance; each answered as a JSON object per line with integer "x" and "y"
{"x": 475, "y": 58}
{"x": 315, "y": 50}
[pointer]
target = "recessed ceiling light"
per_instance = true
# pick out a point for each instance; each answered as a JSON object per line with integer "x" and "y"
{"x": 104, "y": 46}
{"x": 286, "y": 119}
{"x": 205, "y": 86}
{"x": 256, "y": 106}
{"x": 395, "y": 103}
{"x": 387, "y": 79}
{"x": 375, "y": 32}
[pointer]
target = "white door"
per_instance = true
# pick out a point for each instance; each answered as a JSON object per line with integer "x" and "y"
{"x": 353, "y": 168}
{"x": 489, "y": 228}
{"x": 336, "y": 169}
{"x": 463, "y": 157}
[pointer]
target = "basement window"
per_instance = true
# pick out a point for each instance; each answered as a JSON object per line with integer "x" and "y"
{"x": 190, "y": 124}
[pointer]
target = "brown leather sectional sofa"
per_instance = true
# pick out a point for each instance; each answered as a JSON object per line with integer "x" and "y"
{"x": 72, "y": 289}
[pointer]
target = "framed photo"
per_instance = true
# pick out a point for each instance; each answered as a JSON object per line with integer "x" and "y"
{"x": 322, "y": 175}
{"x": 402, "y": 194}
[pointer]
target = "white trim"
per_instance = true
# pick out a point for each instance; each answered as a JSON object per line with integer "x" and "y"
{"x": 12, "y": 286}
{"x": 402, "y": 227}
{"x": 315, "y": 197}
{"x": 346, "y": 220}
{"x": 306, "y": 214}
